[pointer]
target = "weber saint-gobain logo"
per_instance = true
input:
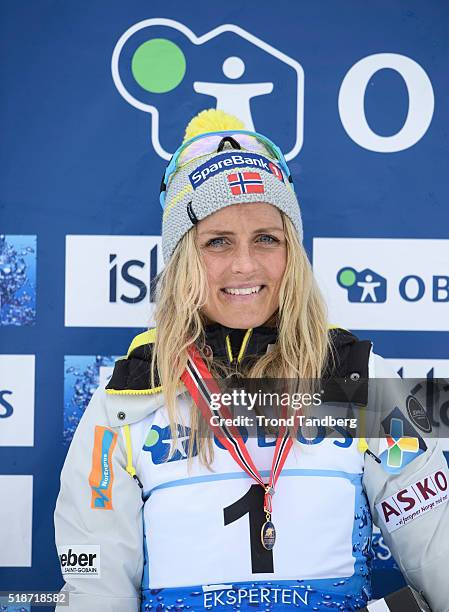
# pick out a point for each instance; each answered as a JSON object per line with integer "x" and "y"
{"x": 365, "y": 287}
{"x": 17, "y": 280}
{"x": 158, "y": 62}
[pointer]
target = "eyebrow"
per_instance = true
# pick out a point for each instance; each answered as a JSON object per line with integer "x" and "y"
{"x": 260, "y": 230}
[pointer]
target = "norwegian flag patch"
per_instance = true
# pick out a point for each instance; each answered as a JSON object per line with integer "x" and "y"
{"x": 245, "y": 182}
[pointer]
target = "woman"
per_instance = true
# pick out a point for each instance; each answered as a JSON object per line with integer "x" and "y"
{"x": 166, "y": 506}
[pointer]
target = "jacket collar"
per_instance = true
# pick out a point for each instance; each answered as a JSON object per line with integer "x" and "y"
{"x": 233, "y": 345}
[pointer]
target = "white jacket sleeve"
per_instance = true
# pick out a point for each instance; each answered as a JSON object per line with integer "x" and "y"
{"x": 410, "y": 507}
{"x": 98, "y": 519}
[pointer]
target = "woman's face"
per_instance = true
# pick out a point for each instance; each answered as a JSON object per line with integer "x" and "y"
{"x": 245, "y": 254}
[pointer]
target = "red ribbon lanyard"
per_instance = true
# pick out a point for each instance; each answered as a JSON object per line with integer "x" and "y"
{"x": 201, "y": 385}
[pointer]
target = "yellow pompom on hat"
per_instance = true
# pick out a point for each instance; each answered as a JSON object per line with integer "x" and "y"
{"x": 212, "y": 120}
{"x": 219, "y": 171}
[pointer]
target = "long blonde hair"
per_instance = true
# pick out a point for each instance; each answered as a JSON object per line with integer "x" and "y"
{"x": 301, "y": 351}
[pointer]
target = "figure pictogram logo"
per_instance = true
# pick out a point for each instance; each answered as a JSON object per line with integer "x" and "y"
{"x": 159, "y": 61}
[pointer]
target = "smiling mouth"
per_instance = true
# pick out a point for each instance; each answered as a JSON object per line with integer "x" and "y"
{"x": 243, "y": 291}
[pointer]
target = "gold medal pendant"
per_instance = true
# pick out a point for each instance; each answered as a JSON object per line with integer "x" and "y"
{"x": 268, "y": 534}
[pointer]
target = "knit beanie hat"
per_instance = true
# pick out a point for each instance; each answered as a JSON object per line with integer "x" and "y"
{"x": 237, "y": 173}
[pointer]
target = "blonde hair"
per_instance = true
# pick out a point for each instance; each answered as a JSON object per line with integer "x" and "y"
{"x": 301, "y": 351}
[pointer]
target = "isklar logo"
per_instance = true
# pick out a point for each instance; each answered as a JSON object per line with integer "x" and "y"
{"x": 162, "y": 68}
{"x": 365, "y": 287}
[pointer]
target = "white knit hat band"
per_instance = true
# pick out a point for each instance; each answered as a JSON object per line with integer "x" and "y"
{"x": 215, "y": 181}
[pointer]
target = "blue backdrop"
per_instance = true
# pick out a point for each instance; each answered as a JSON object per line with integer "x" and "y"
{"x": 355, "y": 93}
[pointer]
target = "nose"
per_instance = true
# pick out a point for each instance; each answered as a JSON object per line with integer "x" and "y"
{"x": 243, "y": 261}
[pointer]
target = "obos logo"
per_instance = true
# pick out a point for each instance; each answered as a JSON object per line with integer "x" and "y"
{"x": 158, "y": 441}
{"x": 364, "y": 287}
{"x": 17, "y": 400}
{"x": 385, "y": 284}
{"x": 227, "y": 67}
{"x": 237, "y": 72}
{"x": 110, "y": 280}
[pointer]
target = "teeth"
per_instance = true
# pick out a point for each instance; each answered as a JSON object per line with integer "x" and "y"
{"x": 243, "y": 290}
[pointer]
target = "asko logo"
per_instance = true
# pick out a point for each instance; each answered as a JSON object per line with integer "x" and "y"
{"x": 110, "y": 280}
{"x": 413, "y": 501}
{"x": 383, "y": 283}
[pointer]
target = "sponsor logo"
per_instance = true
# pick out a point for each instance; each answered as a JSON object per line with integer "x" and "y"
{"x": 6, "y": 408}
{"x": 102, "y": 476}
{"x": 418, "y": 415}
{"x": 364, "y": 287}
{"x": 245, "y": 182}
{"x": 228, "y": 66}
{"x": 233, "y": 160}
{"x": 276, "y": 171}
{"x": 82, "y": 561}
{"x": 159, "y": 442}
{"x": 398, "y": 445}
{"x": 110, "y": 280}
{"x": 428, "y": 382}
{"x": 241, "y": 69}
{"x": 403, "y": 443}
{"x": 82, "y": 375}
{"x": 222, "y": 595}
{"x": 413, "y": 501}
{"x": 413, "y": 270}
{"x": 17, "y": 400}
{"x": 17, "y": 280}
{"x": 16, "y": 518}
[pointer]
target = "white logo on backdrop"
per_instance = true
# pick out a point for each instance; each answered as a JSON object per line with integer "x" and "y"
{"x": 235, "y": 97}
{"x": 408, "y": 282}
{"x": 351, "y": 102}
{"x": 109, "y": 280}
{"x": 17, "y": 400}
{"x": 232, "y": 97}
{"x": 16, "y": 519}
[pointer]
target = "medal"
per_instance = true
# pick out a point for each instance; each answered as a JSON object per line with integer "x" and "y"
{"x": 201, "y": 386}
{"x": 268, "y": 533}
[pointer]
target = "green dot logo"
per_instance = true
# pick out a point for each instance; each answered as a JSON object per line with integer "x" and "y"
{"x": 152, "y": 438}
{"x": 158, "y": 65}
{"x": 347, "y": 277}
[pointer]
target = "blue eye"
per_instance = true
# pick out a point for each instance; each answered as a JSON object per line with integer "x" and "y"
{"x": 215, "y": 242}
{"x": 266, "y": 238}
